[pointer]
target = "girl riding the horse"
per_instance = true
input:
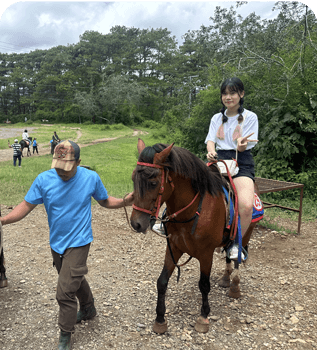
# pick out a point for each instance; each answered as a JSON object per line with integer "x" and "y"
{"x": 228, "y": 138}
{"x": 25, "y": 137}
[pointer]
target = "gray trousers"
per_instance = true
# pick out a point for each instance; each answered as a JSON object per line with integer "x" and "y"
{"x": 71, "y": 268}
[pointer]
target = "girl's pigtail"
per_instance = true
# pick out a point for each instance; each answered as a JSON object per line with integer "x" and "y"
{"x": 224, "y": 117}
{"x": 240, "y": 111}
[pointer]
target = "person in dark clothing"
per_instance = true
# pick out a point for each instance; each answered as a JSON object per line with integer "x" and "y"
{"x": 54, "y": 142}
{"x": 17, "y": 152}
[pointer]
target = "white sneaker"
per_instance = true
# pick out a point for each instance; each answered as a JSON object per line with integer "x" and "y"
{"x": 158, "y": 228}
{"x": 233, "y": 253}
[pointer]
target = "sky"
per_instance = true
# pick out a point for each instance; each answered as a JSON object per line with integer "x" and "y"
{"x": 30, "y": 25}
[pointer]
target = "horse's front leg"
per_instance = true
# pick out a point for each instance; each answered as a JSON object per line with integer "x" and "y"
{"x": 225, "y": 279}
{"x": 234, "y": 291}
{"x": 202, "y": 323}
{"x": 160, "y": 325}
{"x": 234, "y": 276}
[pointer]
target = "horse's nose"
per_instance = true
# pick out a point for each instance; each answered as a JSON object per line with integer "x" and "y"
{"x": 136, "y": 225}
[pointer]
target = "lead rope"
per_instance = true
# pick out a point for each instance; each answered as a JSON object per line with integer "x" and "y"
{"x": 167, "y": 237}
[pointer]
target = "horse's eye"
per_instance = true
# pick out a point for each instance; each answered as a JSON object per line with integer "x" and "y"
{"x": 153, "y": 184}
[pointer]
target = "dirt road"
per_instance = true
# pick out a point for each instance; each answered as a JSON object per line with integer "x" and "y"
{"x": 278, "y": 283}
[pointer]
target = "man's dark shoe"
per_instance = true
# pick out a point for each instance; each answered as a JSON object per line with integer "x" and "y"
{"x": 64, "y": 341}
{"x": 86, "y": 313}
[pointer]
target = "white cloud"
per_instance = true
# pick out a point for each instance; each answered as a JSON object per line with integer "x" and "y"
{"x": 31, "y": 25}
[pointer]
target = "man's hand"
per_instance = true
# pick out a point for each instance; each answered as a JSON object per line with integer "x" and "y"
{"x": 128, "y": 200}
{"x": 18, "y": 213}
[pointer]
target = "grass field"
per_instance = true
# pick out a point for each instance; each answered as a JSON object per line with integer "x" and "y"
{"x": 114, "y": 161}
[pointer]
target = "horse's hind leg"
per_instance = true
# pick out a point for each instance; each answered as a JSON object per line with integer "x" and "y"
{"x": 3, "y": 279}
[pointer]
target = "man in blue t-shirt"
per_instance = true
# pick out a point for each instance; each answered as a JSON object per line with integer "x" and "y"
{"x": 66, "y": 190}
{"x": 35, "y": 146}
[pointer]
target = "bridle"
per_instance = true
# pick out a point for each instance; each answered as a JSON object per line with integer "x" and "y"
{"x": 155, "y": 211}
{"x": 156, "y": 208}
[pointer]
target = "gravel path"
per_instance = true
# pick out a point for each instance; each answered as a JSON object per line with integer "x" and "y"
{"x": 277, "y": 310}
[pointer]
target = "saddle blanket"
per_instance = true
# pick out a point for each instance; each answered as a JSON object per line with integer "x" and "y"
{"x": 258, "y": 209}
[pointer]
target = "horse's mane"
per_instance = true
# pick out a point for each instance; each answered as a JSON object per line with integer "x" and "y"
{"x": 182, "y": 162}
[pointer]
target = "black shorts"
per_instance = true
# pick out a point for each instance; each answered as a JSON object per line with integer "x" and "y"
{"x": 245, "y": 162}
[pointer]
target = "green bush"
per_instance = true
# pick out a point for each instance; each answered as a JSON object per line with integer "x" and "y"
{"x": 151, "y": 124}
{"x": 119, "y": 126}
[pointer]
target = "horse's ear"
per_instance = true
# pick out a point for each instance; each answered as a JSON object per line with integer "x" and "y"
{"x": 141, "y": 145}
{"x": 159, "y": 158}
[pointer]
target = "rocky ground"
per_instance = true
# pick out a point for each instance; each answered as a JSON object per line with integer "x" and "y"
{"x": 277, "y": 310}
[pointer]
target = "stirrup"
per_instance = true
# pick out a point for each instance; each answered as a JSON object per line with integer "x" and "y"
{"x": 244, "y": 253}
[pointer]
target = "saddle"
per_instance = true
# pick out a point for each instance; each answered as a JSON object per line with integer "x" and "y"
{"x": 232, "y": 226}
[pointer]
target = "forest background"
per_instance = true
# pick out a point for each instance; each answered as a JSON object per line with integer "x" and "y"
{"x": 143, "y": 78}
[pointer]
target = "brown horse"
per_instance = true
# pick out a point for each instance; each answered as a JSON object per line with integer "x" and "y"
{"x": 24, "y": 144}
{"x": 195, "y": 220}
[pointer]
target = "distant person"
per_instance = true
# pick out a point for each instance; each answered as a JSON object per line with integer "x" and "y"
{"x": 25, "y": 137}
{"x": 66, "y": 191}
{"x": 35, "y": 146}
{"x": 55, "y": 137}
{"x": 55, "y": 140}
{"x": 17, "y": 152}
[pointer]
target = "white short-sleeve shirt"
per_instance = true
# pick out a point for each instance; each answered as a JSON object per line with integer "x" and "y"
{"x": 249, "y": 125}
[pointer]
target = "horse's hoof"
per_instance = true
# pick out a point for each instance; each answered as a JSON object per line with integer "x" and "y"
{"x": 202, "y": 325}
{"x": 234, "y": 293}
{"x": 224, "y": 282}
{"x": 3, "y": 283}
{"x": 160, "y": 328}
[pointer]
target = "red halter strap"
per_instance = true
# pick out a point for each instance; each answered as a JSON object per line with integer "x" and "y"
{"x": 155, "y": 211}
{"x": 151, "y": 165}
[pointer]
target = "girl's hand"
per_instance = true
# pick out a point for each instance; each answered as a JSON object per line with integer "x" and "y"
{"x": 212, "y": 155}
{"x": 242, "y": 142}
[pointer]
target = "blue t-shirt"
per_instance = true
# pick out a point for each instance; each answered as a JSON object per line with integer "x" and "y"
{"x": 68, "y": 205}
